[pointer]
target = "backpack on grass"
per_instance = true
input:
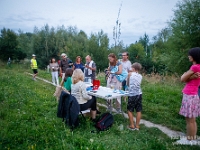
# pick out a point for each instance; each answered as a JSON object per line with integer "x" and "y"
{"x": 104, "y": 122}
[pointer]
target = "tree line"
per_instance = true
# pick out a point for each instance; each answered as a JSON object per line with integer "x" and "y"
{"x": 166, "y": 53}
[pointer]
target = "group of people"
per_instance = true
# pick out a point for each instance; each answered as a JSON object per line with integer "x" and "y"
{"x": 73, "y": 75}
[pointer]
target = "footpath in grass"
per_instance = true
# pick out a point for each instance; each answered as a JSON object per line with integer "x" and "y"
{"x": 28, "y": 121}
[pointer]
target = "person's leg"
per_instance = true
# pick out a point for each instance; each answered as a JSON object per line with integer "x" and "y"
{"x": 90, "y": 104}
{"x": 118, "y": 86}
{"x": 131, "y": 120}
{"x": 138, "y": 117}
{"x": 138, "y": 107}
{"x": 118, "y": 104}
{"x": 56, "y": 77}
{"x": 130, "y": 110}
{"x": 53, "y": 77}
{"x": 34, "y": 73}
{"x": 191, "y": 128}
{"x": 124, "y": 85}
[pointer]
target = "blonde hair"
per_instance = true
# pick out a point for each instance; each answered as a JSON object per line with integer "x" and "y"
{"x": 77, "y": 76}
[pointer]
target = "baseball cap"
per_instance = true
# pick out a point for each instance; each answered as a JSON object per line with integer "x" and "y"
{"x": 33, "y": 55}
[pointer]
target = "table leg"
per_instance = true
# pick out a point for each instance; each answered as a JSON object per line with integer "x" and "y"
{"x": 109, "y": 105}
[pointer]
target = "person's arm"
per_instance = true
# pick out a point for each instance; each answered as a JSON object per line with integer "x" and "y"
{"x": 119, "y": 69}
{"x": 70, "y": 63}
{"x": 129, "y": 68}
{"x": 128, "y": 79}
{"x": 62, "y": 82}
{"x": 194, "y": 76}
{"x": 60, "y": 66}
{"x": 185, "y": 77}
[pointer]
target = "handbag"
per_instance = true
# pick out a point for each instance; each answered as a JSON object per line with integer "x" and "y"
{"x": 58, "y": 91}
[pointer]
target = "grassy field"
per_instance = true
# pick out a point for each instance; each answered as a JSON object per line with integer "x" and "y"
{"x": 28, "y": 117}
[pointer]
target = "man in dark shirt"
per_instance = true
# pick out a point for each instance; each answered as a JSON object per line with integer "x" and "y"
{"x": 64, "y": 64}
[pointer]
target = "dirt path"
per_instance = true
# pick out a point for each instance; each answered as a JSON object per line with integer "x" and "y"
{"x": 170, "y": 133}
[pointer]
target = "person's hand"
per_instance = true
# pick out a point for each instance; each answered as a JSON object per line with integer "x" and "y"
{"x": 196, "y": 75}
{"x": 86, "y": 66}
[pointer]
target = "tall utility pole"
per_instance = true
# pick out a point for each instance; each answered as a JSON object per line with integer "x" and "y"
{"x": 117, "y": 29}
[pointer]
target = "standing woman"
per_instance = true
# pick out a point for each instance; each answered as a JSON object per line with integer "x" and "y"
{"x": 190, "y": 107}
{"x": 112, "y": 80}
{"x": 78, "y": 64}
{"x": 54, "y": 67}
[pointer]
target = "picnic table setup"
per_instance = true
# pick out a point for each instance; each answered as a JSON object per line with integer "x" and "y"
{"x": 105, "y": 93}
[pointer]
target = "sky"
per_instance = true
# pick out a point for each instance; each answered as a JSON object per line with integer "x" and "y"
{"x": 137, "y": 17}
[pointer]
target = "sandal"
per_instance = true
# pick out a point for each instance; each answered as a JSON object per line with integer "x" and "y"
{"x": 130, "y": 128}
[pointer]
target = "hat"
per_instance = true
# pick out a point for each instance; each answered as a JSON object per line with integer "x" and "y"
{"x": 63, "y": 54}
{"x": 33, "y": 55}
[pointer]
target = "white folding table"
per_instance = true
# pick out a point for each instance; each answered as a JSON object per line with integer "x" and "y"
{"x": 108, "y": 94}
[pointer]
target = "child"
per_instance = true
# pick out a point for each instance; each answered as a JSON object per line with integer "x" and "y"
{"x": 68, "y": 79}
{"x": 135, "y": 95}
{"x": 190, "y": 107}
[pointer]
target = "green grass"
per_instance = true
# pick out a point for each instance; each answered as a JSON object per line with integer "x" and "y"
{"x": 28, "y": 118}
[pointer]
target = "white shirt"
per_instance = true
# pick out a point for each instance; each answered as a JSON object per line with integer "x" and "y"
{"x": 78, "y": 90}
{"x": 134, "y": 84}
{"x": 126, "y": 65}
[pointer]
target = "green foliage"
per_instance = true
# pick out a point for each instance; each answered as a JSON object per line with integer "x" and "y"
{"x": 136, "y": 52}
{"x": 172, "y": 44}
{"x": 186, "y": 33}
{"x": 9, "y": 46}
{"x": 98, "y": 49}
{"x": 28, "y": 118}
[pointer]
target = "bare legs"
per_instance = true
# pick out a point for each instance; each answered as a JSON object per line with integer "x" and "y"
{"x": 34, "y": 75}
{"x": 93, "y": 114}
{"x": 138, "y": 117}
{"x": 191, "y": 127}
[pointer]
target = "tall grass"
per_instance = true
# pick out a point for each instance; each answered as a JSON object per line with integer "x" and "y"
{"x": 28, "y": 119}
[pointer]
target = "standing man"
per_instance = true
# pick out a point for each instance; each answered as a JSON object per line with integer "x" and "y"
{"x": 90, "y": 68}
{"x": 64, "y": 64}
{"x": 34, "y": 66}
{"x": 126, "y": 64}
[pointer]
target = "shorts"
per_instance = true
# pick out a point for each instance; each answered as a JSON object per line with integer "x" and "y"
{"x": 134, "y": 103}
{"x": 35, "y": 71}
{"x": 190, "y": 106}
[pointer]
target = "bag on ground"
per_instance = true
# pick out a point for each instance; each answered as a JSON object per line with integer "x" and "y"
{"x": 104, "y": 122}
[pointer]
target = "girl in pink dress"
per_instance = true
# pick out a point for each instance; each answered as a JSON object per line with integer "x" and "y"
{"x": 190, "y": 107}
